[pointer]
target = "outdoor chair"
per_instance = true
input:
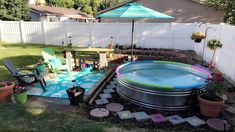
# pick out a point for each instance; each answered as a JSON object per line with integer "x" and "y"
{"x": 54, "y": 64}
{"x": 25, "y": 79}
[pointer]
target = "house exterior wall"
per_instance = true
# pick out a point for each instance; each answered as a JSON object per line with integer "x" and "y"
{"x": 37, "y": 17}
{"x": 183, "y": 11}
{"x": 34, "y": 16}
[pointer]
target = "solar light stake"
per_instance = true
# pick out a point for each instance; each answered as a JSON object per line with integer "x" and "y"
{"x": 132, "y": 38}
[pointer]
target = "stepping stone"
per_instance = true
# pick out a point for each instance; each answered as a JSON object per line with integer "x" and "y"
{"x": 105, "y": 96}
{"x": 108, "y": 90}
{"x": 101, "y": 101}
{"x": 110, "y": 86}
{"x": 99, "y": 112}
{"x": 125, "y": 115}
{"x": 141, "y": 116}
{"x": 175, "y": 119}
{"x": 115, "y": 79}
{"x": 158, "y": 118}
{"x": 113, "y": 83}
{"x": 195, "y": 121}
{"x": 231, "y": 110}
{"x": 218, "y": 124}
{"x": 114, "y": 107}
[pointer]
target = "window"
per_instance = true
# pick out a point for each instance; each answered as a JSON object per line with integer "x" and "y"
{"x": 54, "y": 19}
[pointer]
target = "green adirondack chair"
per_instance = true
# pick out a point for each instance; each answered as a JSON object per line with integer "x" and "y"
{"x": 54, "y": 64}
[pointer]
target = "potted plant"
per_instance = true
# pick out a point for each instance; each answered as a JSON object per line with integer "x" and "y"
{"x": 214, "y": 45}
{"x": 6, "y": 89}
{"x": 198, "y": 36}
{"x": 211, "y": 102}
{"x": 41, "y": 66}
{"x": 20, "y": 94}
{"x": 75, "y": 95}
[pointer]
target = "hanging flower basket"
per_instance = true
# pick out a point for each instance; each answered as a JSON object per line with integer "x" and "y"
{"x": 214, "y": 44}
{"x": 197, "y": 40}
{"x": 198, "y": 36}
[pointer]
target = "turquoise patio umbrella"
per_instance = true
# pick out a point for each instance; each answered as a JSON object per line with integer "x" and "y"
{"x": 133, "y": 11}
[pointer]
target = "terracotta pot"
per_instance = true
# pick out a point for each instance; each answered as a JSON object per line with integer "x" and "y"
{"x": 6, "y": 92}
{"x": 210, "y": 108}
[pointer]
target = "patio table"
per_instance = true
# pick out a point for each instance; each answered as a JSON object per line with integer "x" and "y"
{"x": 87, "y": 51}
{"x": 92, "y": 50}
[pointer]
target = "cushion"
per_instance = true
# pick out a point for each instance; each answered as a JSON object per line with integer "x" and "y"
{"x": 56, "y": 62}
{"x": 26, "y": 79}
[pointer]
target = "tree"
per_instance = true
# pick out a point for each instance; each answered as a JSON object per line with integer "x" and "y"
{"x": 14, "y": 10}
{"x": 95, "y": 4}
{"x": 229, "y": 15}
{"x": 60, "y": 3}
{"x": 227, "y": 6}
{"x": 87, "y": 9}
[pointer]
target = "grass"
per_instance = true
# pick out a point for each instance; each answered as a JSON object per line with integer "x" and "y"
{"x": 22, "y": 55}
{"x": 16, "y": 118}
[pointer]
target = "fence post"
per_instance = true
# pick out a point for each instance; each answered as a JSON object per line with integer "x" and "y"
{"x": 43, "y": 25}
{"x": 1, "y": 31}
{"x": 221, "y": 29}
{"x": 91, "y": 35}
{"x": 171, "y": 35}
{"x": 22, "y": 35}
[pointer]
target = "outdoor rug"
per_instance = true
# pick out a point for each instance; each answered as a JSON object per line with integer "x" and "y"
{"x": 56, "y": 86}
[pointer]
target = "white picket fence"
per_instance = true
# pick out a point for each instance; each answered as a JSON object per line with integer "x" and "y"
{"x": 153, "y": 35}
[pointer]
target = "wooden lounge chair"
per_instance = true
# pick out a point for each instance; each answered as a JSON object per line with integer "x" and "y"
{"x": 25, "y": 78}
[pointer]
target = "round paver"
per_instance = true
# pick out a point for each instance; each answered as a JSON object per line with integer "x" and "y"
{"x": 114, "y": 107}
{"x": 99, "y": 112}
{"x": 87, "y": 85}
{"x": 218, "y": 124}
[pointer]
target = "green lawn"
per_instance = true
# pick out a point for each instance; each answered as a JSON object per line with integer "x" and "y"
{"x": 21, "y": 56}
{"x": 20, "y": 118}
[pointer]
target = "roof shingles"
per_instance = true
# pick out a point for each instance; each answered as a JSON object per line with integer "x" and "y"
{"x": 72, "y": 13}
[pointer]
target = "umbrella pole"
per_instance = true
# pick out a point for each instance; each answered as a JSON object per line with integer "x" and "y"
{"x": 132, "y": 38}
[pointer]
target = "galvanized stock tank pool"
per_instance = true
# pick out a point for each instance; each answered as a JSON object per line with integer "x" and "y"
{"x": 161, "y": 85}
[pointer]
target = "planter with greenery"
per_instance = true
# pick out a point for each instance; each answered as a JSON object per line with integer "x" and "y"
{"x": 214, "y": 45}
{"x": 198, "y": 36}
{"x": 6, "y": 89}
{"x": 211, "y": 102}
{"x": 20, "y": 94}
{"x": 75, "y": 95}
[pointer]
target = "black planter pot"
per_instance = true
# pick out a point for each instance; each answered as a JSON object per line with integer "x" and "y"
{"x": 75, "y": 95}
{"x": 197, "y": 40}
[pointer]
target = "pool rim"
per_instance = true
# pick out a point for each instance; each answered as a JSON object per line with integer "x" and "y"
{"x": 157, "y": 86}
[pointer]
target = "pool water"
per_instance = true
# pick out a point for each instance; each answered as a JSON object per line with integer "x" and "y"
{"x": 162, "y": 74}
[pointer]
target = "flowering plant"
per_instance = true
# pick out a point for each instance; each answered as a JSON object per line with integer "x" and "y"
{"x": 198, "y": 35}
{"x": 214, "y": 44}
{"x": 215, "y": 88}
{"x": 19, "y": 89}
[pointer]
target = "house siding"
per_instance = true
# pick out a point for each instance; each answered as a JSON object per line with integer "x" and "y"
{"x": 34, "y": 16}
